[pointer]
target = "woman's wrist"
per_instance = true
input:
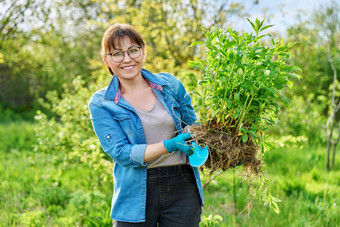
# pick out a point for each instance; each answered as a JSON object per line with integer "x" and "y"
{"x": 154, "y": 151}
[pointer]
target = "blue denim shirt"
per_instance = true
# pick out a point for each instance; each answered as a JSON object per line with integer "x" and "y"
{"x": 121, "y": 135}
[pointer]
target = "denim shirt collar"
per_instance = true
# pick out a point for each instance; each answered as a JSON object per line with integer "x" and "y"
{"x": 113, "y": 91}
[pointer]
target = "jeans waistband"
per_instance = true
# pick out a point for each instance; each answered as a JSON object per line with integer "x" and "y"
{"x": 169, "y": 170}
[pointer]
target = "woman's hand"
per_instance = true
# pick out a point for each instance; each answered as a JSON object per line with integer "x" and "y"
{"x": 179, "y": 144}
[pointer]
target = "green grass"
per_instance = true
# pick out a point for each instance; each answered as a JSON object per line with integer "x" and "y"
{"x": 38, "y": 189}
{"x": 298, "y": 176}
{"x": 15, "y": 136}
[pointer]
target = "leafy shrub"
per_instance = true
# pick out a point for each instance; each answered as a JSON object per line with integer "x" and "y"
{"x": 211, "y": 220}
{"x": 286, "y": 141}
{"x": 303, "y": 118}
{"x": 70, "y": 130}
{"x": 242, "y": 85}
{"x": 243, "y": 80}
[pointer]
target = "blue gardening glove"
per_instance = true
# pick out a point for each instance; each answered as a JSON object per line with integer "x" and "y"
{"x": 179, "y": 144}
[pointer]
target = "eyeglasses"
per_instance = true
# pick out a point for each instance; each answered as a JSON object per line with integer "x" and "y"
{"x": 118, "y": 56}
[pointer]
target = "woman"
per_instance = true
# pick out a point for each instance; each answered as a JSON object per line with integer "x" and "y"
{"x": 135, "y": 119}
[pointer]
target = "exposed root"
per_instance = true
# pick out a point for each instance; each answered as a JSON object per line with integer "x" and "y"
{"x": 226, "y": 151}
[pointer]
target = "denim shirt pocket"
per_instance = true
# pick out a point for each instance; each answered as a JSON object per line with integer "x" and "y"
{"x": 124, "y": 121}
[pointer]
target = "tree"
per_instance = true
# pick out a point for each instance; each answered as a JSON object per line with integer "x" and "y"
{"x": 329, "y": 22}
{"x": 168, "y": 27}
{"x": 46, "y": 43}
{"x": 317, "y": 52}
{"x": 40, "y": 48}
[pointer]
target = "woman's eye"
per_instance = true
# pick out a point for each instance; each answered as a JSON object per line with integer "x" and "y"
{"x": 118, "y": 54}
{"x": 134, "y": 50}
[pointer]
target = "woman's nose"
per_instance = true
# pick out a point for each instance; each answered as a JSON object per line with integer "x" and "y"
{"x": 127, "y": 57}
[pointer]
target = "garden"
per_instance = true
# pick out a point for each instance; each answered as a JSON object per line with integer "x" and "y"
{"x": 268, "y": 105}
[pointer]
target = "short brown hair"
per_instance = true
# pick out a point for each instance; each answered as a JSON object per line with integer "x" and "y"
{"x": 114, "y": 35}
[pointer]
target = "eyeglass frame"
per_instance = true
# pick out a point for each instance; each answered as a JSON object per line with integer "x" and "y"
{"x": 127, "y": 51}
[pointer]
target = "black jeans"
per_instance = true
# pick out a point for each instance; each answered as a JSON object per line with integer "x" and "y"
{"x": 172, "y": 198}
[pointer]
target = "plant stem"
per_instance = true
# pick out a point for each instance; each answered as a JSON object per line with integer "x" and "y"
{"x": 232, "y": 82}
{"x": 244, "y": 111}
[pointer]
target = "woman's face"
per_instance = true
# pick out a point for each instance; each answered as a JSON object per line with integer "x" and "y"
{"x": 128, "y": 67}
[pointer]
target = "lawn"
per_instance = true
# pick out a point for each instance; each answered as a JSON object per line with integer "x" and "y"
{"x": 38, "y": 189}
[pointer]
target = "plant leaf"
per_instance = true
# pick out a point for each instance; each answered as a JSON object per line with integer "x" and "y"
{"x": 196, "y": 64}
{"x": 245, "y": 138}
{"x": 275, "y": 207}
{"x": 266, "y": 27}
{"x": 252, "y": 24}
{"x": 196, "y": 43}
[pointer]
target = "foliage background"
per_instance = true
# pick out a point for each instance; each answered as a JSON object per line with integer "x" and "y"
{"x": 54, "y": 170}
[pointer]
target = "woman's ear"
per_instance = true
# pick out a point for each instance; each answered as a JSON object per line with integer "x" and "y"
{"x": 108, "y": 66}
{"x": 105, "y": 62}
{"x": 144, "y": 53}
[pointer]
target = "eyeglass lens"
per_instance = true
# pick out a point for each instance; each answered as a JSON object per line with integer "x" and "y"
{"x": 133, "y": 53}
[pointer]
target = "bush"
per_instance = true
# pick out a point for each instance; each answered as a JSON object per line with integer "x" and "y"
{"x": 303, "y": 118}
{"x": 70, "y": 130}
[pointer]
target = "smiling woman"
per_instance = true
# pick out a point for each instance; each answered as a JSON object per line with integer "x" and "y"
{"x": 139, "y": 120}
{"x": 123, "y": 51}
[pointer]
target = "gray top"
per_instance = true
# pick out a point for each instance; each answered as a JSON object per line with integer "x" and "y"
{"x": 159, "y": 126}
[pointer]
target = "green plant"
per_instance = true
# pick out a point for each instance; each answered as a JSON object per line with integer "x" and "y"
{"x": 242, "y": 85}
{"x": 70, "y": 129}
{"x": 210, "y": 221}
{"x": 243, "y": 81}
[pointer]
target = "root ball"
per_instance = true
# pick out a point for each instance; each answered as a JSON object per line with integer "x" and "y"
{"x": 226, "y": 150}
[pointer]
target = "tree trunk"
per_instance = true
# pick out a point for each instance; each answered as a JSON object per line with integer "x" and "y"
{"x": 335, "y": 144}
{"x": 335, "y": 108}
{"x": 329, "y": 143}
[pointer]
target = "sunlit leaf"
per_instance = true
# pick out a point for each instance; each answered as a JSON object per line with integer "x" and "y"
{"x": 196, "y": 43}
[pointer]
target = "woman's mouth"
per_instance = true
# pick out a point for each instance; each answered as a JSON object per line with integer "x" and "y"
{"x": 128, "y": 67}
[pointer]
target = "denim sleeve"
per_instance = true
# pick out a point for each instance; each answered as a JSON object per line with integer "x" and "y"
{"x": 186, "y": 108}
{"x": 112, "y": 138}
